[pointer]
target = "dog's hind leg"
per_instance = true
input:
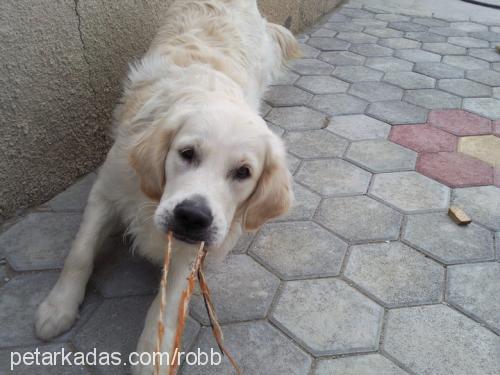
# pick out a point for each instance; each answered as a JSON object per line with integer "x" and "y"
{"x": 60, "y": 308}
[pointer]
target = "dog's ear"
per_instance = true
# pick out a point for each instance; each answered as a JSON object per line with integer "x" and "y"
{"x": 273, "y": 194}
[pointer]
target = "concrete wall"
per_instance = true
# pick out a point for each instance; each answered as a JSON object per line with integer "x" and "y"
{"x": 61, "y": 68}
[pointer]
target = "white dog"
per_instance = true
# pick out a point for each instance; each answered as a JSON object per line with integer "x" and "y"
{"x": 191, "y": 154}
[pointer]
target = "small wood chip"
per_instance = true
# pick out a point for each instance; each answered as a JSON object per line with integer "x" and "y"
{"x": 459, "y": 216}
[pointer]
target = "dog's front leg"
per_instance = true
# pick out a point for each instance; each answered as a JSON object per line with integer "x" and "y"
{"x": 182, "y": 260}
{"x": 59, "y": 309}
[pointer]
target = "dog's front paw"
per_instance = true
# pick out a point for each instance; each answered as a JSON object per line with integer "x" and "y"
{"x": 53, "y": 317}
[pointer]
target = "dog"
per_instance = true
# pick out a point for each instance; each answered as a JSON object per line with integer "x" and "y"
{"x": 191, "y": 154}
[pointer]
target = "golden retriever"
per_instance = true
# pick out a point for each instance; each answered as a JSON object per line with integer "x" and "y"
{"x": 191, "y": 154}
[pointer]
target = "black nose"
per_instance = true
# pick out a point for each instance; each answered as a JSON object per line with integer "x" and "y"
{"x": 193, "y": 215}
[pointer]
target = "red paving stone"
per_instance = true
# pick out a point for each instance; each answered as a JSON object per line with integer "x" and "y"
{"x": 496, "y": 128}
{"x": 459, "y": 122}
{"x": 423, "y": 138}
{"x": 455, "y": 169}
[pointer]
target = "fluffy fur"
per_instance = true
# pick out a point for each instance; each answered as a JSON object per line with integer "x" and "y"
{"x": 200, "y": 83}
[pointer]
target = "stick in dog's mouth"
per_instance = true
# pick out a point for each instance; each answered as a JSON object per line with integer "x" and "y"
{"x": 196, "y": 273}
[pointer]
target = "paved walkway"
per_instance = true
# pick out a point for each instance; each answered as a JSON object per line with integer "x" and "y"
{"x": 389, "y": 120}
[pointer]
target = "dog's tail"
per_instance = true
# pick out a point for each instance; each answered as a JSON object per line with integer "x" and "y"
{"x": 285, "y": 40}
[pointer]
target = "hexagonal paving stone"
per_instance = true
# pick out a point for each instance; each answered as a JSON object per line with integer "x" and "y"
{"x": 490, "y": 36}
{"x": 343, "y": 26}
{"x": 459, "y": 122}
{"x": 444, "y": 48}
{"x": 293, "y": 163}
{"x": 389, "y": 64}
{"x": 310, "y": 67}
{"x": 356, "y": 37}
{"x": 315, "y": 144}
{"x": 371, "y": 50}
{"x": 431, "y": 22}
{"x": 299, "y": 249}
{"x": 487, "y": 77}
{"x": 297, "y": 118}
{"x": 275, "y": 129}
{"x": 468, "y": 42}
{"x": 340, "y": 319}
{"x": 74, "y": 197}
{"x": 356, "y": 13}
{"x": 357, "y": 73}
{"x": 399, "y": 43}
{"x": 425, "y": 36}
{"x": 447, "y": 31}
{"x": 409, "y": 80}
{"x": 304, "y": 206}
{"x": 383, "y": 32}
{"x": 482, "y": 204}
{"x": 438, "y": 340}
{"x": 241, "y": 289}
{"x": 488, "y": 54}
{"x": 244, "y": 242}
{"x": 469, "y": 26}
{"x": 308, "y": 52}
{"x": 455, "y": 169}
{"x": 407, "y": 26}
{"x": 329, "y": 44}
{"x": 474, "y": 288}
{"x": 395, "y": 274}
{"x": 396, "y": 112}
{"x": 487, "y": 107}
{"x": 338, "y": 104}
{"x": 390, "y": 17}
{"x": 287, "y": 96}
{"x": 257, "y": 347}
{"x": 423, "y": 138}
{"x": 358, "y": 127}
{"x": 323, "y": 33}
{"x": 464, "y": 87}
{"x": 376, "y": 91}
{"x": 465, "y": 62}
{"x": 333, "y": 177}
{"x": 417, "y": 55}
{"x": 340, "y": 58}
{"x": 438, "y": 70}
{"x": 360, "y": 218}
{"x": 432, "y": 98}
{"x": 370, "y": 23}
{"x": 286, "y": 77}
{"x": 357, "y": 365}
{"x": 437, "y": 235}
{"x": 380, "y": 155}
{"x": 483, "y": 147}
{"x": 410, "y": 191}
{"x": 40, "y": 240}
{"x": 324, "y": 84}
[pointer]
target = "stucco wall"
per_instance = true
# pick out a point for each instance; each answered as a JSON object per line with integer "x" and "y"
{"x": 61, "y": 67}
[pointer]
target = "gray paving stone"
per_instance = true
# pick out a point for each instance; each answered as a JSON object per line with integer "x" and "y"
{"x": 487, "y": 77}
{"x": 447, "y": 31}
{"x": 357, "y": 74}
{"x": 444, "y": 48}
{"x": 241, "y": 289}
{"x": 356, "y": 37}
{"x": 410, "y": 191}
{"x": 275, "y": 129}
{"x": 425, "y": 36}
{"x": 75, "y": 197}
{"x": 299, "y": 249}
{"x": 337, "y": 17}
{"x": 370, "y": 364}
{"x": 293, "y": 163}
{"x": 376, "y": 91}
{"x": 497, "y": 245}
{"x": 468, "y": 42}
{"x": 360, "y": 218}
{"x": 383, "y": 32}
{"x": 310, "y": 67}
{"x": 432, "y": 99}
{"x": 409, "y": 80}
{"x": 407, "y": 26}
{"x": 304, "y": 206}
{"x": 488, "y": 54}
{"x": 380, "y": 155}
{"x": 474, "y": 288}
{"x": 469, "y": 26}
{"x": 356, "y": 13}
{"x": 329, "y": 44}
{"x": 438, "y": 236}
{"x": 465, "y": 62}
{"x": 391, "y": 17}
{"x": 340, "y": 319}
{"x": 481, "y": 203}
{"x": 430, "y": 22}
{"x": 40, "y": 240}
{"x": 244, "y": 242}
{"x": 420, "y": 338}
{"x": 417, "y": 55}
{"x": 287, "y": 96}
{"x": 396, "y": 112}
{"x": 358, "y": 127}
{"x": 308, "y": 52}
{"x": 264, "y": 109}
{"x": 496, "y": 66}
{"x": 286, "y": 78}
{"x": 338, "y": 104}
{"x": 464, "y": 88}
{"x": 496, "y": 92}
{"x": 438, "y": 70}
{"x": 257, "y": 347}
{"x": 399, "y": 43}
{"x": 490, "y": 36}
{"x": 323, "y": 33}
{"x": 371, "y": 50}
{"x": 370, "y": 22}
{"x": 343, "y": 26}
{"x": 322, "y": 84}
{"x": 487, "y": 107}
{"x": 389, "y": 64}
{"x": 315, "y": 144}
{"x": 296, "y": 118}
{"x": 341, "y": 58}
{"x": 395, "y": 274}
{"x": 31, "y": 368}
{"x": 333, "y": 177}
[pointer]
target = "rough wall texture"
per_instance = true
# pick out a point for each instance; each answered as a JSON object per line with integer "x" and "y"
{"x": 61, "y": 68}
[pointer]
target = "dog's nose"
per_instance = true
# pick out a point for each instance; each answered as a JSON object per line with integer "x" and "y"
{"x": 193, "y": 215}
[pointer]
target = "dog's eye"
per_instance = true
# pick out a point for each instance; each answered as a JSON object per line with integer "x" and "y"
{"x": 187, "y": 153}
{"x": 242, "y": 173}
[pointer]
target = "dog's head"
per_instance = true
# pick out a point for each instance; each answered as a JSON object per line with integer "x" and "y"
{"x": 210, "y": 165}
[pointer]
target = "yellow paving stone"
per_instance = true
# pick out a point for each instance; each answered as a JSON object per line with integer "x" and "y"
{"x": 484, "y": 147}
